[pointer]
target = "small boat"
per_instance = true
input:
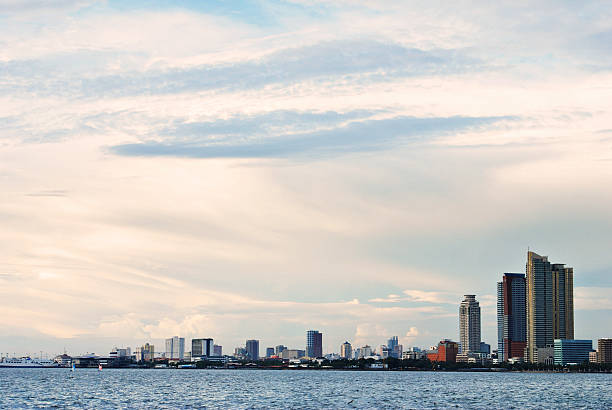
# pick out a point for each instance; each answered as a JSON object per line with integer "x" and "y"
{"x": 99, "y": 367}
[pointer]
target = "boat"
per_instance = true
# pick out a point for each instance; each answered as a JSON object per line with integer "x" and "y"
{"x": 27, "y": 362}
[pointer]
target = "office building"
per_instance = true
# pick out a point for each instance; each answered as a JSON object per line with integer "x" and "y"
{"x": 279, "y": 349}
{"x": 217, "y": 350}
{"x": 604, "y": 351}
{"x": 563, "y": 301}
{"x": 346, "y": 350}
{"x": 240, "y": 353}
{"x": 446, "y": 351}
{"x": 511, "y": 316}
{"x": 252, "y": 349}
{"x": 175, "y": 348}
{"x": 269, "y": 351}
{"x": 593, "y": 357}
{"x": 395, "y": 349}
{"x": 201, "y": 347}
{"x": 314, "y": 344}
{"x": 572, "y": 351}
{"x": 485, "y": 348}
{"x": 383, "y": 351}
{"x": 469, "y": 325}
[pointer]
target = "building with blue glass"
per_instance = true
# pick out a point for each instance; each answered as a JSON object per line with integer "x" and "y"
{"x": 572, "y": 351}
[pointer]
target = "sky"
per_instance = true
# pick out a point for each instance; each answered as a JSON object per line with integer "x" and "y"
{"x": 253, "y": 169}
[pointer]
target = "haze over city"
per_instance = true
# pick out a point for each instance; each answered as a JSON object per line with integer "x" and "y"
{"x": 257, "y": 168}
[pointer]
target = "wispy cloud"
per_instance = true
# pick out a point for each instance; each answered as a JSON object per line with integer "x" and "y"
{"x": 356, "y": 136}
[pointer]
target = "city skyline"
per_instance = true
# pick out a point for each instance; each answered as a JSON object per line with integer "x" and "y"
{"x": 259, "y": 168}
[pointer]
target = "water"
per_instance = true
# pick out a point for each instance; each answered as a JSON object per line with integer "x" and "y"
{"x": 169, "y": 388}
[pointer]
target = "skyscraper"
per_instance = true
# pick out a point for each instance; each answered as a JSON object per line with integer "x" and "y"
{"x": 511, "y": 319}
{"x": 563, "y": 301}
{"x": 252, "y": 349}
{"x": 314, "y": 343}
{"x": 395, "y": 350}
{"x": 175, "y": 348}
{"x": 469, "y": 325}
{"x": 550, "y": 303}
{"x": 539, "y": 304}
{"x": 346, "y": 350}
{"x": 201, "y": 347}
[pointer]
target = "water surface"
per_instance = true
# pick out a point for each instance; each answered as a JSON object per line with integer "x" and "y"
{"x": 190, "y": 388}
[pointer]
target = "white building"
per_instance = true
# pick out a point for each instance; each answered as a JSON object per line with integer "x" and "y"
{"x": 175, "y": 348}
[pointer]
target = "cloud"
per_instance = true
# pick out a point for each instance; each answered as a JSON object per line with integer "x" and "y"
{"x": 356, "y": 136}
{"x": 592, "y": 298}
{"x": 415, "y": 295}
{"x": 373, "y": 59}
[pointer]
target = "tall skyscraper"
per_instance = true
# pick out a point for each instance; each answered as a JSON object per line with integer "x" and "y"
{"x": 201, "y": 347}
{"x": 469, "y": 325}
{"x": 539, "y": 305}
{"x": 314, "y": 343}
{"x": 550, "y": 303}
{"x": 252, "y": 349}
{"x": 511, "y": 318}
{"x": 346, "y": 350}
{"x": 175, "y": 348}
{"x": 563, "y": 301}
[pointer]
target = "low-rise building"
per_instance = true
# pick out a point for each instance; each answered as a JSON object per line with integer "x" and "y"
{"x": 572, "y": 351}
{"x": 446, "y": 351}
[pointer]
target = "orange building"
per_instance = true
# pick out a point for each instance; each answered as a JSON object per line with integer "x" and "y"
{"x": 446, "y": 352}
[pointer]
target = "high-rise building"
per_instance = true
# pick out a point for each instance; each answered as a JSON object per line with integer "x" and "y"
{"x": 346, "y": 350}
{"x": 563, "y": 301}
{"x": 145, "y": 353}
{"x": 469, "y": 325}
{"x": 314, "y": 344}
{"x": 217, "y": 350}
{"x": 269, "y": 351}
{"x": 252, "y": 349}
{"x": 539, "y": 304}
{"x": 395, "y": 350}
{"x": 175, "y": 348}
{"x": 572, "y": 351}
{"x": 549, "y": 303}
{"x": 279, "y": 349}
{"x": 201, "y": 347}
{"x": 511, "y": 319}
{"x": 604, "y": 351}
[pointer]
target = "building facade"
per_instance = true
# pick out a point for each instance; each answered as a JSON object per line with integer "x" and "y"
{"x": 217, "y": 350}
{"x": 252, "y": 349}
{"x": 269, "y": 351}
{"x": 511, "y": 316}
{"x": 604, "y": 351}
{"x": 314, "y": 344}
{"x": 175, "y": 348}
{"x": 469, "y": 325}
{"x": 563, "y": 301}
{"x": 572, "y": 351}
{"x": 446, "y": 351}
{"x": 538, "y": 285}
{"x": 346, "y": 350}
{"x": 202, "y": 347}
{"x": 549, "y": 303}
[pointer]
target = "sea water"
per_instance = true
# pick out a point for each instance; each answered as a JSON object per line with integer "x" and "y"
{"x": 299, "y": 389}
